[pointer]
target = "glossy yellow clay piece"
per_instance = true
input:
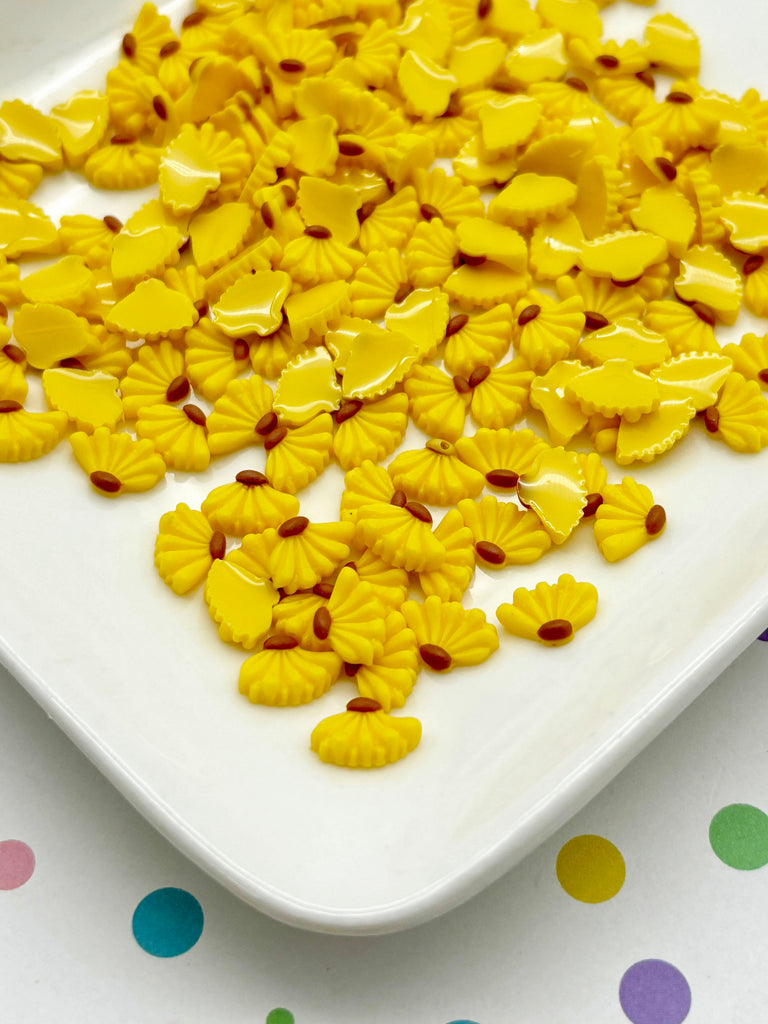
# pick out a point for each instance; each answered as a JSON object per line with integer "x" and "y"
{"x": 672, "y": 45}
{"x": 529, "y": 198}
{"x": 49, "y": 333}
{"x": 502, "y": 534}
{"x": 315, "y": 147}
{"x": 746, "y": 217}
{"x": 448, "y": 635}
{"x": 151, "y": 311}
{"x": 554, "y": 246}
{"x": 694, "y": 376}
{"x": 331, "y": 206}
{"x": 117, "y": 464}
{"x": 422, "y": 316}
{"x": 68, "y": 282}
{"x": 307, "y": 386}
{"x": 390, "y": 678}
{"x": 556, "y": 491}
{"x": 178, "y": 434}
{"x": 478, "y": 237}
{"x": 364, "y": 736}
{"x": 366, "y": 484}
{"x": 756, "y": 287}
{"x": 354, "y": 625}
{"x": 377, "y": 361}
{"x": 750, "y": 358}
{"x": 286, "y": 676}
{"x": 502, "y": 456}
{"x": 480, "y": 340}
{"x": 239, "y": 603}
{"x": 81, "y": 122}
{"x": 25, "y": 229}
{"x": 565, "y": 419}
{"x": 26, "y": 134}
{"x": 506, "y": 123}
{"x": 185, "y": 548}
{"x": 188, "y": 172}
{"x": 429, "y": 253}
{"x": 27, "y": 435}
{"x": 399, "y": 537}
{"x": 625, "y": 339}
{"x": 740, "y": 165}
{"x": 623, "y": 255}
{"x": 454, "y": 574}
{"x": 252, "y": 304}
{"x": 299, "y": 456}
{"x": 313, "y": 310}
{"x": 391, "y": 223}
{"x": 438, "y": 191}
{"x": 627, "y": 519}
{"x": 123, "y": 164}
{"x": 615, "y": 388}
{"x": 426, "y": 86}
{"x": 740, "y": 416}
{"x": 219, "y": 234}
{"x": 248, "y": 505}
{"x": 485, "y": 286}
{"x": 655, "y": 433}
{"x": 88, "y": 397}
{"x": 435, "y": 474}
{"x": 549, "y": 614}
{"x": 238, "y": 414}
{"x": 13, "y": 382}
{"x": 709, "y": 277}
{"x": 369, "y": 430}
{"x": 537, "y": 57}
{"x": 666, "y": 212}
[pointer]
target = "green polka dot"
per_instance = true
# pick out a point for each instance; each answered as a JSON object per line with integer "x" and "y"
{"x": 280, "y": 1016}
{"x": 739, "y": 836}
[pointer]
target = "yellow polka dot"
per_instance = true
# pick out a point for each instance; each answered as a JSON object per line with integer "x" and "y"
{"x": 590, "y": 869}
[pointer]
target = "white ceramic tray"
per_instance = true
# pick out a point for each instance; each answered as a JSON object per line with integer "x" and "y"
{"x": 139, "y": 680}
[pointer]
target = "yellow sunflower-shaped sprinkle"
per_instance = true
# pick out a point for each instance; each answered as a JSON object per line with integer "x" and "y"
{"x": 628, "y": 339}
{"x": 750, "y": 358}
{"x": 186, "y": 547}
{"x": 156, "y": 377}
{"x": 178, "y": 434}
{"x": 389, "y": 582}
{"x": 378, "y": 283}
{"x": 150, "y": 33}
{"x": 390, "y": 678}
{"x": 26, "y": 435}
{"x": 389, "y": 224}
{"x": 369, "y": 430}
{"x": 111, "y": 355}
{"x": 755, "y": 270}
{"x": 400, "y": 534}
{"x": 604, "y": 303}
{"x": 430, "y": 253}
{"x": 438, "y": 403}
{"x": 708, "y": 277}
{"x": 607, "y": 58}
{"x": 295, "y": 613}
{"x": 685, "y": 328}
{"x": 297, "y": 457}
{"x": 315, "y": 257}
{"x": 550, "y": 613}
{"x": 548, "y": 330}
{"x": 441, "y": 195}
{"x": 499, "y": 395}
{"x": 366, "y": 484}
{"x": 116, "y": 463}
{"x": 248, "y": 505}
{"x": 435, "y": 474}
{"x": 454, "y": 574}
{"x": 19, "y": 179}
{"x": 740, "y": 415}
{"x": 564, "y": 418}
{"x": 624, "y": 96}
{"x": 271, "y": 354}
{"x": 680, "y": 122}
{"x": 13, "y": 383}
{"x": 449, "y": 635}
{"x": 480, "y": 340}
{"x": 364, "y": 736}
{"x": 302, "y": 553}
{"x": 122, "y": 164}
{"x": 283, "y": 674}
{"x": 353, "y": 620}
{"x": 502, "y": 456}
{"x": 331, "y": 206}
{"x": 595, "y": 479}
{"x": 241, "y": 416}
{"x": 239, "y": 602}
{"x": 627, "y": 519}
{"x": 502, "y": 534}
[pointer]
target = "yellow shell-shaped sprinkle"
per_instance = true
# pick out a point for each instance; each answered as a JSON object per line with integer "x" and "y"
{"x": 750, "y": 358}
{"x": 178, "y": 434}
{"x": 236, "y": 414}
{"x": 357, "y": 626}
{"x": 312, "y": 310}
{"x": 529, "y": 198}
{"x": 626, "y": 520}
{"x": 213, "y": 359}
{"x": 429, "y": 254}
{"x": 294, "y": 616}
{"x": 709, "y": 277}
{"x": 283, "y": 678}
{"x": 307, "y": 386}
{"x": 388, "y": 582}
{"x": 435, "y": 474}
{"x": 49, "y": 333}
{"x": 27, "y": 435}
{"x": 601, "y": 296}
{"x": 364, "y": 739}
{"x": 550, "y": 613}
{"x": 463, "y": 634}
{"x": 390, "y": 678}
{"x": 377, "y": 283}
{"x": 447, "y": 195}
{"x": 310, "y": 260}
{"x": 88, "y": 397}
{"x": 615, "y": 388}
{"x": 694, "y": 376}
{"x": 301, "y": 455}
{"x": 148, "y": 379}
{"x": 623, "y": 255}
{"x": 485, "y": 286}
{"x": 115, "y": 463}
{"x": 435, "y": 404}
{"x": 682, "y": 327}
{"x": 183, "y": 548}
{"x": 502, "y": 456}
{"x": 740, "y": 417}
{"x": 517, "y": 537}
{"x": 366, "y": 484}
{"x": 373, "y": 432}
{"x": 187, "y": 172}
{"x": 398, "y": 537}
{"x": 480, "y": 340}
{"x": 390, "y": 224}
{"x": 548, "y": 330}
{"x": 298, "y": 562}
{"x": 248, "y": 505}
{"x": 152, "y": 311}
{"x": 124, "y": 166}
{"x": 564, "y": 418}
{"x": 555, "y": 489}
{"x": 252, "y": 304}
{"x": 239, "y": 603}
{"x": 68, "y": 283}
{"x": 25, "y": 229}
{"x": 654, "y": 433}
{"x": 454, "y": 574}
{"x": 501, "y": 397}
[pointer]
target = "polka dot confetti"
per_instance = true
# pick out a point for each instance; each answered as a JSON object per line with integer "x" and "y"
{"x": 764, "y": 636}
{"x": 654, "y": 992}
{"x": 738, "y": 834}
{"x": 168, "y": 922}
{"x": 17, "y": 863}
{"x": 590, "y": 869}
{"x": 280, "y": 1016}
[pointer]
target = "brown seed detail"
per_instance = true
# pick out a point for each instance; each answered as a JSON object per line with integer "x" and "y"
{"x": 646, "y": 78}
{"x": 217, "y": 545}
{"x": 504, "y": 478}
{"x": 763, "y": 376}
{"x": 419, "y": 511}
{"x": 478, "y": 375}
{"x": 365, "y": 211}
{"x": 193, "y": 19}
{"x": 594, "y": 501}
{"x": 435, "y": 657}
{"x": 321, "y": 623}
{"x": 347, "y": 148}
{"x": 704, "y": 313}
{"x": 607, "y": 61}
{"x": 490, "y": 552}
{"x": 266, "y": 424}
{"x": 168, "y": 49}
{"x": 555, "y": 629}
{"x": 106, "y": 482}
{"x": 289, "y": 194}
{"x": 251, "y": 478}
{"x": 348, "y": 408}
{"x": 712, "y": 419}
{"x": 8, "y": 405}
{"x": 679, "y": 97}
{"x": 752, "y": 264}
{"x": 399, "y": 498}
{"x": 655, "y": 520}
{"x": 280, "y": 643}
{"x": 122, "y": 140}
{"x": 351, "y": 668}
{"x": 202, "y": 307}
{"x": 177, "y": 389}
{"x": 454, "y": 106}
{"x": 14, "y": 353}
{"x": 293, "y": 527}
{"x": 594, "y": 321}
{"x": 129, "y": 44}
{"x": 666, "y": 167}
{"x": 428, "y": 211}
{"x": 461, "y": 384}
{"x": 112, "y": 223}
{"x": 159, "y": 107}
{"x": 185, "y": 245}
{"x": 323, "y": 590}
{"x": 456, "y": 323}
{"x": 240, "y": 349}
{"x": 317, "y": 231}
{"x": 625, "y": 284}
{"x": 363, "y": 704}
{"x": 472, "y": 261}
{"x": 484, "y": 8}
{"x": 70, "y": 363}
{"x": 292, "y": 66}
{"x": 528, "y": 314}
{"x": 3, "y": 311}
{"x": 577, "y": 84}
{"x": 274, "y": 437}
{"x": 266, "y": 216}
{"x": 402, "y": 292}
{"x": 195, "y": 414}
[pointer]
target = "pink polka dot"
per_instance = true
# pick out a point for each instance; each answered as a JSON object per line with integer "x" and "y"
{"x": 17, "y": 862}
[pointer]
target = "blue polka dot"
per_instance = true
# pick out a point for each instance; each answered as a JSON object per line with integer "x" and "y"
{"x": 168, "y": 922}
{"x": 462, "y": 1021}
{"x": 764, "y": 635}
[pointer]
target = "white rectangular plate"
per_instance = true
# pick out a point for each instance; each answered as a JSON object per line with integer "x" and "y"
{"x": 139, "y": 680}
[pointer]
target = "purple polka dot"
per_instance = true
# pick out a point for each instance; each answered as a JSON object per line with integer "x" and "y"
{"x": 17, "y": 862}
{"x": 764, "y": 636}
{"x": 654, "y": 992}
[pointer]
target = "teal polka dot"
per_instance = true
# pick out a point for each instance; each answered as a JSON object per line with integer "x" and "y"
{"x": 738, "y": 834}
{"x": 168, "y": 922}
